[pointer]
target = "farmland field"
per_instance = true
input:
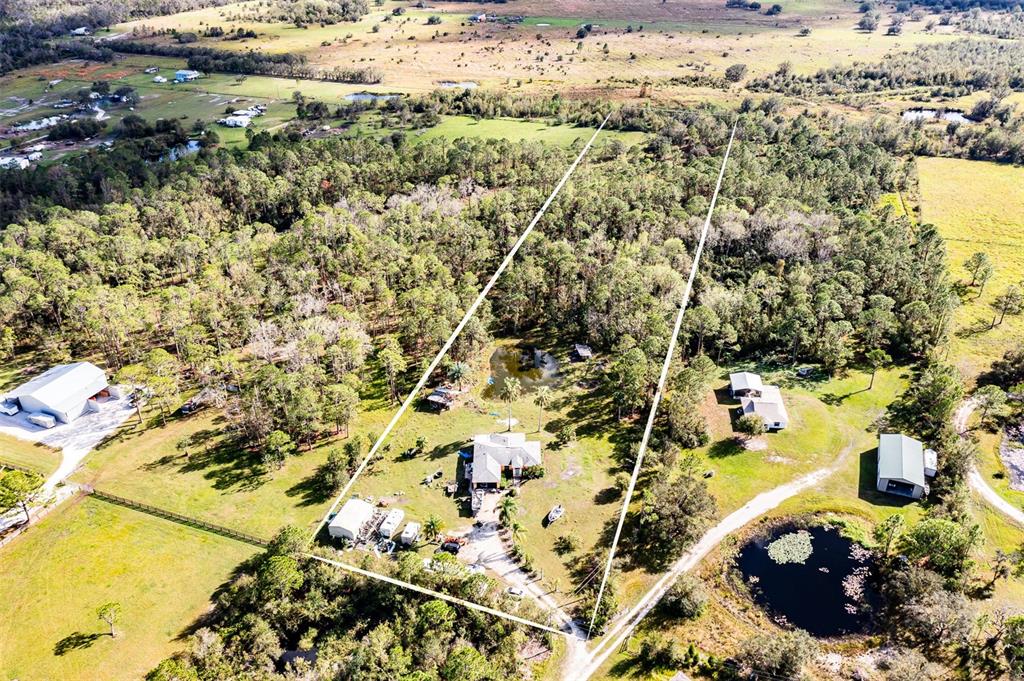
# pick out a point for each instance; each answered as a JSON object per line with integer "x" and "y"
{"x": 978, "y": 207}
{"x": 89, "y": 553}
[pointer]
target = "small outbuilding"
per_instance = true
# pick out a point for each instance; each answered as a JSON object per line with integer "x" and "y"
{"x": 349, "y": 522}
{"x": 185, "y": 75}
{"x": 65, "y": 391}
{"x": 582, "y": 352}
{"x": 745, "y": 384}
{"x": 904, "y": 466}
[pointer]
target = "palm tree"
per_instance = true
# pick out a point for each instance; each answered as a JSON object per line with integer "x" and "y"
{"x": 517, "y": 530}
{"x": 458, "y": 371}
{"x": 508, "y": 509}
{"x": 510, "y": 392}
{"x": 433, "y": 527}
{"x": 543, "y": 400}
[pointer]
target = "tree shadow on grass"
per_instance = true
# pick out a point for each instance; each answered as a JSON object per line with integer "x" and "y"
{"x": 229, "y": 465}
{"x": 722, "y": 449}
{"x": 75, "y": 641}
{"x": 313, "y": 489}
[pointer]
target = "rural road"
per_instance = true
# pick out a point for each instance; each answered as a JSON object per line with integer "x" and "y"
{"x": 974, "y": 477}
{"x": 754, "y": 508}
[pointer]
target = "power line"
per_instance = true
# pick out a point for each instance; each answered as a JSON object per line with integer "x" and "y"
{"x": 661, "y": 383}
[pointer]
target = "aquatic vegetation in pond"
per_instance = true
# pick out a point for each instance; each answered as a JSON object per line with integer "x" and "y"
{"x": 794, "y": 547}
{"x": 828, "y": 593}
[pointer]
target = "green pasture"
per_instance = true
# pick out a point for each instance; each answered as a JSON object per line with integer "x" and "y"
{"x": 88, "y": 553}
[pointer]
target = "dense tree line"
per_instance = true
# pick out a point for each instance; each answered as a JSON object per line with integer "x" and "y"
{"x": 287, "y": 616}
{"x": 955, "y": 68}
{"x": 317, "y": 12}
{"x": 1005, "y": 25}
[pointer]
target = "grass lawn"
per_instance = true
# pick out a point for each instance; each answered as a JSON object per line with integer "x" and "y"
{"x": 216, "y": 481}
{"x": 29, "y": 455}
{"x": 991, "y": 221}
{"x": 87, "y": 554}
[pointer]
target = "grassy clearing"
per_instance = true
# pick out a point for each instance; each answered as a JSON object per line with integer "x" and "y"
{"x": 211, "y": 479}
{"x": 992, "y": 221}
{"x": 90, "y": 553}
{"x": 454, "y": 127}
{"x": 36, "y": 457}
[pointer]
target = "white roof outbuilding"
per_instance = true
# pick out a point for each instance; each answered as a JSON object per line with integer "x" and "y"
{"x": 349, "y": 521}
{"x": 62, "y": 391}
{"x": 744, "y": 382}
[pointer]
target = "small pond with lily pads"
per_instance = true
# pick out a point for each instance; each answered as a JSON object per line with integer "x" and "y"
{"x": 813, "y": 578}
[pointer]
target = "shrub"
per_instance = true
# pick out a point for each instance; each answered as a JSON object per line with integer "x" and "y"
{"x": 687, "y": 599}
{"x": 750, "y": 424}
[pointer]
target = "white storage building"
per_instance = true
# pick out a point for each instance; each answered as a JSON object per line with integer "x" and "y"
{"x": 390, "y": 524}
{"x": 349, "y": 521}
{"x": 64, "y": 391}
{"x": 411, "y": 532}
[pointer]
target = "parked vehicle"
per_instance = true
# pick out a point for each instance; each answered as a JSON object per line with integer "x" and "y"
{"x": 515, "y": 592}
{"x": 452, "y": 547}
{"x": 9, "y": 408}
{"x": 556, "y": 513}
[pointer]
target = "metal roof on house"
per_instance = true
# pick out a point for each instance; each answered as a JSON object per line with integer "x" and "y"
{"x": 744, "y": 380}
{"x": 494, "y": 450}
{"x": 901, "y": 458}
{"x": 63, "y": 387}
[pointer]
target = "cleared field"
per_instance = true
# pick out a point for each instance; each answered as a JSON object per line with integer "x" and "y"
{"x": 87, "y": 554}
{"x": 36, "y": 457}
{"x": 212, "y": 479}
{"x": 640, "y": 41}
{"x": 978, "y": 206}
{"x": 454, "y": 127}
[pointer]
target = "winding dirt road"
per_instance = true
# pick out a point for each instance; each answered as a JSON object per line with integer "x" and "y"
{"x": 750, "y": 511}
{"x": 975, "y": 478}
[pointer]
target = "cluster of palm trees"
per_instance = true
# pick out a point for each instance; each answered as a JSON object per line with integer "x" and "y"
{"x": 508, "y": 512}
{"x": 511, "y": 391}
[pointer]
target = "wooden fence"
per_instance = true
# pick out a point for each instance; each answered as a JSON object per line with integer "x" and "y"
{"x": 179, "y": 518}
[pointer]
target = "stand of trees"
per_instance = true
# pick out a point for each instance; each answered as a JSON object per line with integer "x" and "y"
{"x": 287, "y": 616}
{"x": 955, "y": 68}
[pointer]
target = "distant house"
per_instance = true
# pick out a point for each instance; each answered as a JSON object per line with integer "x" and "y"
{"x": 65, "y": 391}
{"x": 745, "y": 384}
{"x": 9, "y": 162}
{"x": 236, "y": 121}
{"x": 496, "y": 452}
{"x": 904, "y": 466}
{"x": 768, "y": 405}
{"x": 582, "y": 352}
{"x": 349, "y": 522}
{"x": 185, "y": 75}
{"x": 81, "y": 30}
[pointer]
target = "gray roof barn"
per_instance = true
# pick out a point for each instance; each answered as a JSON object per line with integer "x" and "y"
{"x": 901, "y": 465}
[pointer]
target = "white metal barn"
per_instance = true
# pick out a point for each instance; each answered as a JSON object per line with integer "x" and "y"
{"x": 349, "y": 521}
{"x": 64, "y": 391}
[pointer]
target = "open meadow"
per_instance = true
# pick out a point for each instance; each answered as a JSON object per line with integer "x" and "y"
{"x": 978, "y": 207}
{"x": 89, "y": 553}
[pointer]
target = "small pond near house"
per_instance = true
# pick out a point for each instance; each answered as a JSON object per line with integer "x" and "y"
{"x": 827, "y": 591}
{"x": 181, "y": 151}
{"x": 533, "y": 367}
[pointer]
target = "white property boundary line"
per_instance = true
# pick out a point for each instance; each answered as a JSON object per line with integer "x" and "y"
{"x": 661, "y": 383}
{"x": 436, "y": 594}
{"x": 458, "y": 329}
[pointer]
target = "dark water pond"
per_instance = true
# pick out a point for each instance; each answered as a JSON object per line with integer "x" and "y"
{"x": 925, "y": 114}
{"x": 829, "y": 594}
{"x": 533, "y": 367}
{"x": 181, "y": 151}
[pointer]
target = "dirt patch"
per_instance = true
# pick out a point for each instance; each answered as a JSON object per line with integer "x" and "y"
{"x": 754, "y": 444}
{"x": 572, "y": 469}
{"x": 1012, "y": 456}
